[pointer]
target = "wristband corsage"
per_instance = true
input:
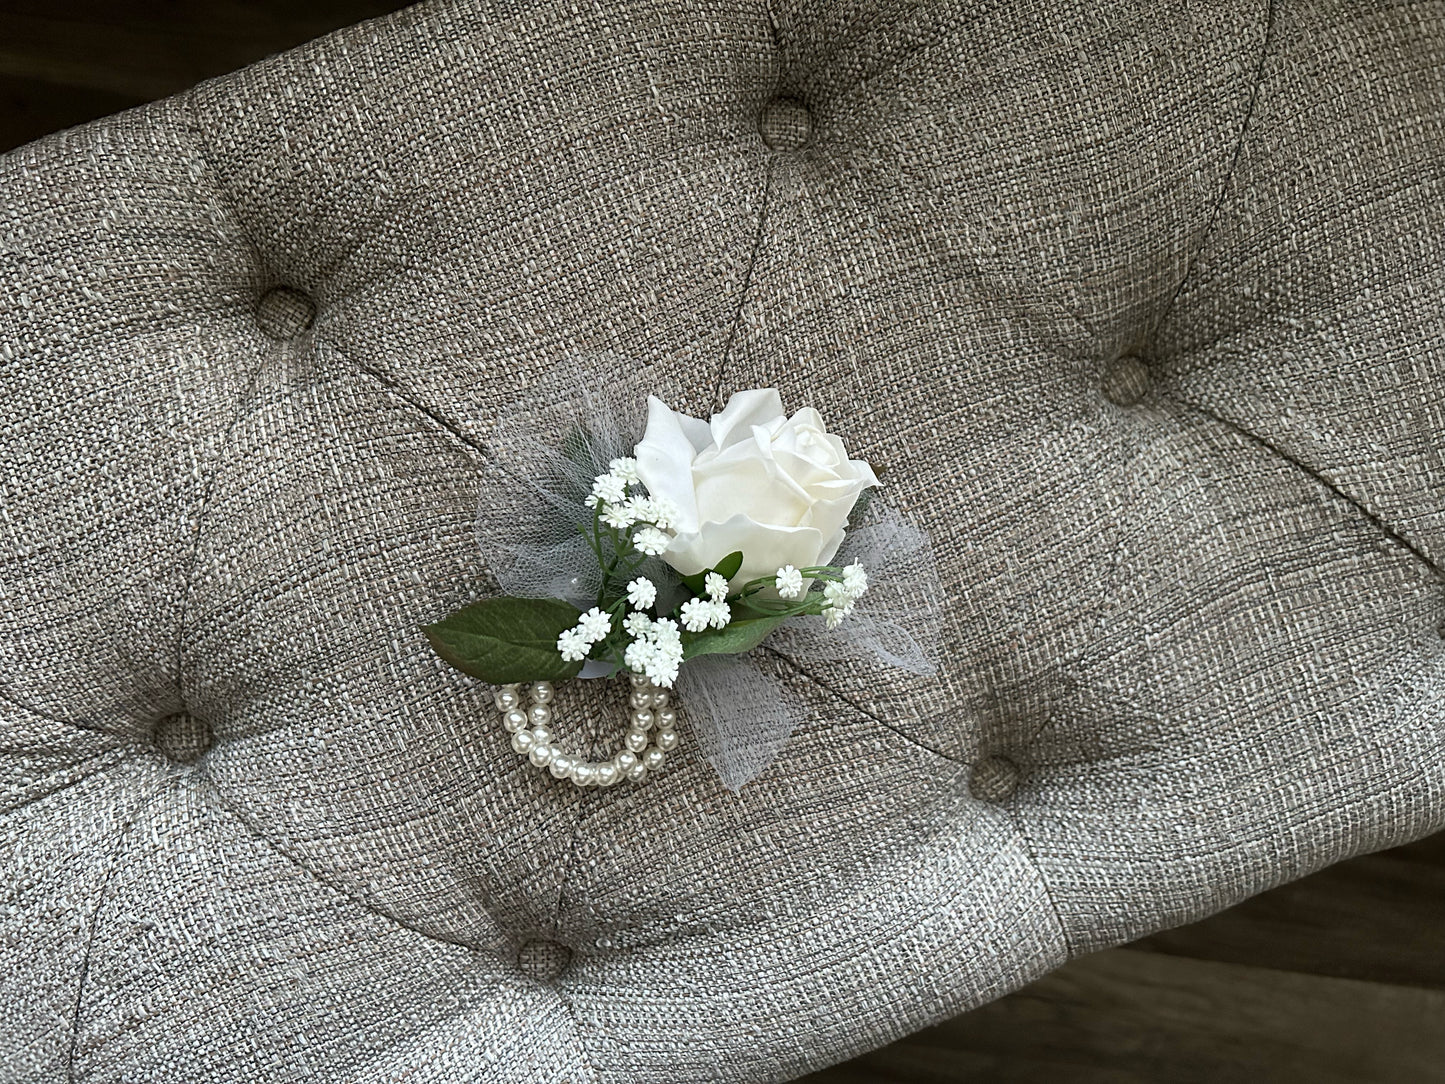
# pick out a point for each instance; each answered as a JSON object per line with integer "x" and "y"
{"x": 667, "y": 560}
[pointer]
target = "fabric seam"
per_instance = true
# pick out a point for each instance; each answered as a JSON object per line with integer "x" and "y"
{"x": 122, "y": 836}
{"x": 1317, "y": 476}
{"x": 746, "y": 285}
{"x": 218, "y": 802}
{"x": 1224, "y": 188}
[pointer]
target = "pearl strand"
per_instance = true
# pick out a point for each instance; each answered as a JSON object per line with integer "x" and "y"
{"x": 641, "y": 755}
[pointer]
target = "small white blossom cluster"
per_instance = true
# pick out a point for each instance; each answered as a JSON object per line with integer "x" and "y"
{"x": 623, "y": 510}
{"x": 712, "y": 612}
{"x": 838, "y": 595}
{"x": 591, "y": 627}
{"x": 656, "y": 649}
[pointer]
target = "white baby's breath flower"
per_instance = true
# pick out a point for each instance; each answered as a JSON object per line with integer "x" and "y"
{"x": 594, "y": 625}
{"x": 624, "y": 468}
{"x": 662, "y": 670}
{"x": 719, "y": 614}
{"x": 716, "y": 586}
{"x": 572, "y": 646}
{"x": 637, "y": 623}
{"x": 657, "y": 651}
{"x": 664, "y": 512}
{"x": 696, "y": 614}
{"x": 619, "y": 515}
{"x": 641, "y": 593}
{"x": 666, "y": 633}
{"x": 651, "y": 541}
{"x": 638, "y": 655}
{"x": 609, "y": 488}
{"x": 855, "y": 579}
{"x": 789, "y": 582}
{"x": 639, "y": 508}
{"x": 838, "y": 603}
{"x": 592, "y": 500}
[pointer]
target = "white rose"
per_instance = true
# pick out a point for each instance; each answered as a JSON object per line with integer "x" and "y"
{"x": 752, "y": 479}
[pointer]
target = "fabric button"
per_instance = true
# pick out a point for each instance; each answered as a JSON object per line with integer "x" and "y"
{"x": 543, "y": 960}
{"x": 785, "y": 124}
{"x": 182, "y": 737}
{"x": 994, "y": 779}
{"x": 1126, "y": 380}
{"x": 284, "y": 312}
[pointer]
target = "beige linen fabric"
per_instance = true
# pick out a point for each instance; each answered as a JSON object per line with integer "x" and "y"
{"x": 1137, "y": 309}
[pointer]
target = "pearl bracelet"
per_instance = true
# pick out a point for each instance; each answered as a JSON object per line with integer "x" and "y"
{"x": 532, "y": 737}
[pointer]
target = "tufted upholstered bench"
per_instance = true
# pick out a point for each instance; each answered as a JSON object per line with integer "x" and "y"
{"x": 1137, "y": 306}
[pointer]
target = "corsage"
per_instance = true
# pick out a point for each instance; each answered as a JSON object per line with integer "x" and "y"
{"x": 666, "y": 553}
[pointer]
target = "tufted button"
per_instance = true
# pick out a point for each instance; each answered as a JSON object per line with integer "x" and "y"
{"x": 543, "y": 960}
{"x": 994, "y": 779}
{"x": 284, "y": 312}
{"x": 1126, "y": 380}
{"x": 182, "y": 737}
{"x": 785, "y": 124}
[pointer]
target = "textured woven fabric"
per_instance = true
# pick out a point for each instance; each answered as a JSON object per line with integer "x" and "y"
{"x": 1137, "y": 308}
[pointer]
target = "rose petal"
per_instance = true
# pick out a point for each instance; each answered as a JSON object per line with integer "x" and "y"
{"x": 665, "y": 456}
{"x": 807, "y": 418}
{"x": 753, "y": 486}
{"x": 830, "y": 516}
{"x": 830, "y": 548}
{"x": 765, "y": 548}
{"x": 757, "y": 406}
{"x": 807, "y": 473}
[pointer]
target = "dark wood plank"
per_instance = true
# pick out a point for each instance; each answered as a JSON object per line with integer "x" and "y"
{"x": 1380, "y": 917}
{"x": 31, "y": 108}
{"x": 67, "y": 61}
{"x": 1132, "y": 1017}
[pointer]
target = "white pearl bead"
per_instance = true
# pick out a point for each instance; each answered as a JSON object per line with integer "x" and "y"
{"x": 522, "y": 741}
{"x": 636, "y": 740}
{"x": 654, "y": 758}
{"x": 514, "y": 720}
{"x": 637, "y": 773}
{"x": 542, "y": 692}
{"x": 624, "y": 760}
{"x": 666, "y": 718}
{"x": 584, "y": 774}
{"x": 561, "y": 765}
{"x": 607, "y": 774}
{"x": 540, "y": 754}
{"x": 506, "y": 698}
{"x": 642, "y": 719}
{"x": 660, "y": 699}
{"x": 667, "y": 740}
{"x": 639, "y": 681}
{"x": 540, "y": 714}
{"x": 639, "y": 699}
{"x": 542, "y": 735}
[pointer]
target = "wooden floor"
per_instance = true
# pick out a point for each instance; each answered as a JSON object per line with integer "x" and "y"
{"x": 1339, "y": 977}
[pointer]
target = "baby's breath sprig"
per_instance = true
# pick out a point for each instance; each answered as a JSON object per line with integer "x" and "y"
{"x": 841, "y": 589}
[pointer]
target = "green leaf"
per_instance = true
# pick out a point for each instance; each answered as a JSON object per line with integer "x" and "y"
{"x": 727, "y": 568}
{"x": 507, "y": 639}
{"x": 737, "y": 637}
